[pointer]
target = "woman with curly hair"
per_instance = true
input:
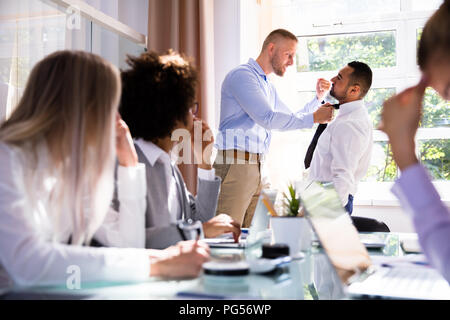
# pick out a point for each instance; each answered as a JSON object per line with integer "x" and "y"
{"x": 158, "y": 102}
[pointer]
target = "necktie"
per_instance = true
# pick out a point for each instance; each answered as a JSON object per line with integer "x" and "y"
{"x": 312, "y": 146}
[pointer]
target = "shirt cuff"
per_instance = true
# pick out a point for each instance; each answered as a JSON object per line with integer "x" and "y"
{"x": 206, "y": 174}
{"x": 319, "y": 102}
{"x": 309, "y": 120}
{"x": 127, "y": 264}
{"x": 414, "y": 188}
{"x": 131, "y": 181}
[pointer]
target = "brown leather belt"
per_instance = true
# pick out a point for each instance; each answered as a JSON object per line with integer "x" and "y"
{"x": 235, "y": 154}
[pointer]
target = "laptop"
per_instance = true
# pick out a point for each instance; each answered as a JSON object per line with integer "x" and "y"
{"x": 257, "y": 232}
{"x": 360, "y": 275}
{"x": 369, "y": 240}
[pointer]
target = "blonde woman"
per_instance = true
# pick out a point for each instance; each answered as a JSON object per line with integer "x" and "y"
{"x": 57, "y": 152}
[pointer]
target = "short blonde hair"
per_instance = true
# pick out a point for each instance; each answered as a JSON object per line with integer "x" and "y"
{"x": 277, "y": 34}
{"x": 69, "y": 106}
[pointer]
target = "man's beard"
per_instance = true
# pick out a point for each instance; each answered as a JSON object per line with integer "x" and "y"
{"x": 277, "y": 66}
{"x": 333, "y": 94}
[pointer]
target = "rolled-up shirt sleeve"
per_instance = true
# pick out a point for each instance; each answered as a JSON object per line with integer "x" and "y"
{"x": 430, "y": 216}
{"x": 244, "y": 86}
{"x": 309, "y": 107}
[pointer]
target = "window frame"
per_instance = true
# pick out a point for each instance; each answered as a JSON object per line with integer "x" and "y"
{"x": 92, "y": 23}
{"x": 404, "y": 74}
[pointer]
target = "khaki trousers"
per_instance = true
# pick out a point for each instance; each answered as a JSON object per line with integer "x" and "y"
{"x": 240, "y": 188}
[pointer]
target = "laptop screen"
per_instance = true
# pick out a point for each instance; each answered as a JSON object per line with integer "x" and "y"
{"x": 335, "y": 230}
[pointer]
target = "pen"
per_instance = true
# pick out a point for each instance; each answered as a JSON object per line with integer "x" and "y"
{"x": 199, "y": 232}
{"x": 419, "y": 263}
{"x": 198, "y": 295}
{"x": 183, "y": 237}
{"x": 268, "y": 205}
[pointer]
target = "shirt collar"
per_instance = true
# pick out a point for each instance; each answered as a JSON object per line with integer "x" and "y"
{"x": 257, "y": 67}
{"x": 349, "y": 107}
{"x": 152, "y": 152}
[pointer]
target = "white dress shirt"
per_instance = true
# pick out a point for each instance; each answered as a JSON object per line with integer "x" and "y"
{"x": 154, "y": 153}
{"x": 31, "y": 254}
{"x": 343, "y": 151}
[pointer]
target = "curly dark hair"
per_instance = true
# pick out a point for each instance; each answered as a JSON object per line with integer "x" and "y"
{"x": 156, "y": 92}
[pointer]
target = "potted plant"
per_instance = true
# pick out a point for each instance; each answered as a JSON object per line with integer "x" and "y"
{"x": 290, "y": 226}
{"x": 292, "y": 203}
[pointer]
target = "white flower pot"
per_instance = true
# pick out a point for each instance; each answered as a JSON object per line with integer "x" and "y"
{"x": 293, "y": 231}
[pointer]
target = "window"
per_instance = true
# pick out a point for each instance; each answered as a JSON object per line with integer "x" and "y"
{"x": 374, "y": 102}
{"x": 383, "y": 34}
{"x": 32, "y": 29}
{"x": 432, "y": 154}
{"x": 382, "y": 166}
{"x": 325, "y": 53}
{"x": 29, "y": 30}
{"x": 113, "y": 47}
{"x": 420, "y": 5}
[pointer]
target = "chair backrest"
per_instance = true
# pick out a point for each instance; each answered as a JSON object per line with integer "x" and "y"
{"x": 364, "y": 224}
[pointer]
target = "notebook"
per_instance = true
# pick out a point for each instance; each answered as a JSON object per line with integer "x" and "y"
{"x": 359, "y": 275}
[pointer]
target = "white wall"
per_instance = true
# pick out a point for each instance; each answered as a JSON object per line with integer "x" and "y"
{"x": 252, "y": 29}
{"x": 240, "y": 26}
{"x": 227, "y": 45}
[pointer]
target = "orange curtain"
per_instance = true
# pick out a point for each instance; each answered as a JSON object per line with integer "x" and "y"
{"x": 187, "y": 26}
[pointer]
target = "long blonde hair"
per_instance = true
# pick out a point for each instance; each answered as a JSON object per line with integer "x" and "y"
{"x": 69, "y": 106}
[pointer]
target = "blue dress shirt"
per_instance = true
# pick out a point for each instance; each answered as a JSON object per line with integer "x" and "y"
{"x": 250, "y": 108}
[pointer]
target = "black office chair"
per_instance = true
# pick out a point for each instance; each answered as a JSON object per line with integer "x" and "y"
{"x": 363, "y": 224}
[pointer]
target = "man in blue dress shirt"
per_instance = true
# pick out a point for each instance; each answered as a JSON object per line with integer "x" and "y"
{"x": 250, "y": 109}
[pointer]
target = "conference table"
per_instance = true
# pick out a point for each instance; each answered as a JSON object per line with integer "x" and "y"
{"x": 309, "y": 278}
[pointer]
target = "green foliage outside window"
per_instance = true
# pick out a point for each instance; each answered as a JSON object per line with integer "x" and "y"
{"x": 377, "y": 49}
{"x": 374, "y": 102}
{"x": 384, "y": 167}
{"x": 434, "y": 154}
{"x": 436, "y": 111}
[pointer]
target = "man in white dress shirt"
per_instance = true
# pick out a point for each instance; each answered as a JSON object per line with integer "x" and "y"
{"x": 344, "y": 148}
